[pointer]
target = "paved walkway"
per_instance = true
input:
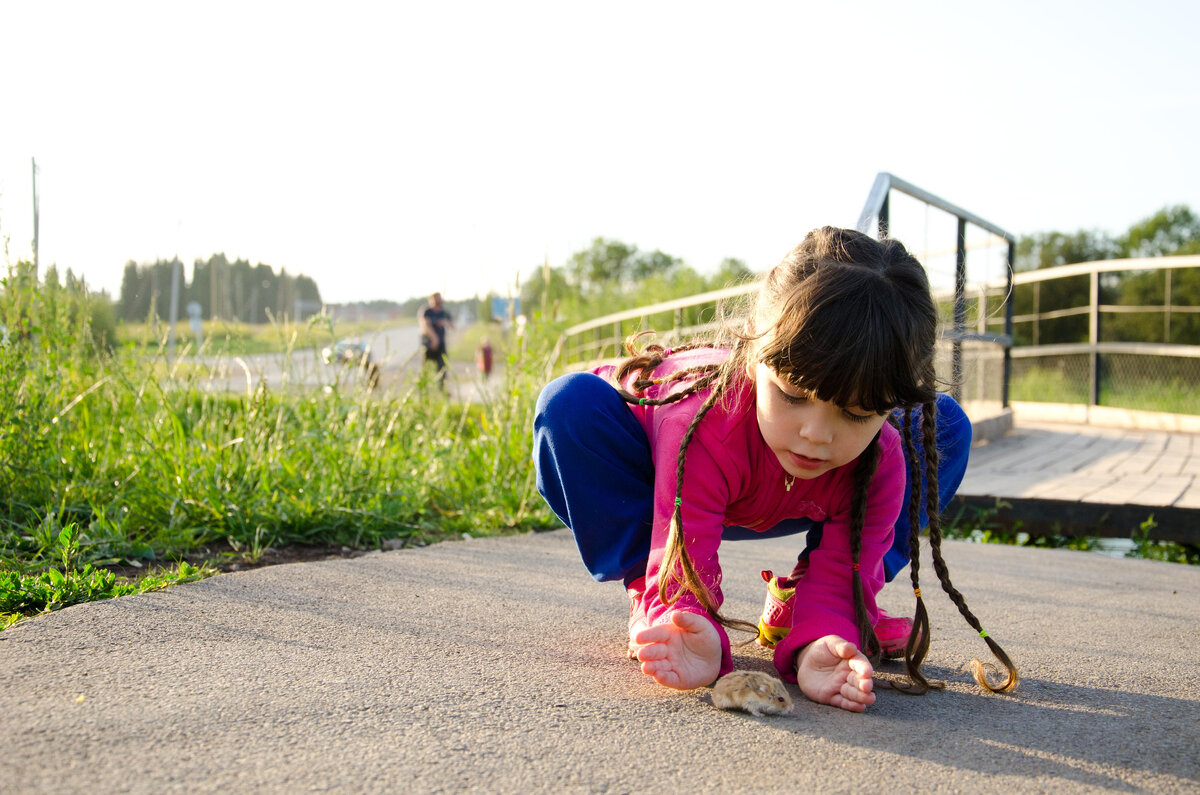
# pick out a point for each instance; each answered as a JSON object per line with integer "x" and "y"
{"x": 1089, "y": 463}
{"x": 497, "y": 665}
{"x": 1089, "y": 474}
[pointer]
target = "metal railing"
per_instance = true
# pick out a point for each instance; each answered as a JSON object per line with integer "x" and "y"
{"x": 983, "y": 344}
{"x": 601, "y": 340}
{"x": 1094, "y": 359}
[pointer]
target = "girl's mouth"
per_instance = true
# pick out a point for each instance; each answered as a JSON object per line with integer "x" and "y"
{"x": 804, "y": 462}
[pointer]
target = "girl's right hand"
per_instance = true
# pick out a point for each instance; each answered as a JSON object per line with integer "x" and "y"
{"x": 831, "y": 670}
{"x": 682, "y": 653}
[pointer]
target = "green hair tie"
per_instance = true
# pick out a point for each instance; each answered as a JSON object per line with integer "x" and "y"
{"x": 983, "y": 633}
{"x": 679, "y": 502}
{"x": 641, "y": 401}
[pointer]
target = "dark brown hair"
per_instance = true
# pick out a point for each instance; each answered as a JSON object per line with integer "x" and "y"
{"x": 849, "y": 319}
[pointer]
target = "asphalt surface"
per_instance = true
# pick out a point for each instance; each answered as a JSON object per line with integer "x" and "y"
{"x": 497, "y": 665}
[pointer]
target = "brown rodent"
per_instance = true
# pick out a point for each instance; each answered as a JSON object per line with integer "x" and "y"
{"x": 752, "y": 691}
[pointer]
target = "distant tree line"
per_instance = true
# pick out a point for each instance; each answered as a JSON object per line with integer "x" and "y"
{"x": 1172, "y": 231}
{"x": 224, "y": 290}
{"x": 610, "y": 275}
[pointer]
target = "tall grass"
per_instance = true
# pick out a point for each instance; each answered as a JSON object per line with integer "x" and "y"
{"x": 143, "y": 461}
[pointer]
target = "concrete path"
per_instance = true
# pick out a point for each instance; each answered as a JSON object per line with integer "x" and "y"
{"x": 1090, "y": 479}
{"x": 1089, "y": 463}
{"x": 497, "y": 665}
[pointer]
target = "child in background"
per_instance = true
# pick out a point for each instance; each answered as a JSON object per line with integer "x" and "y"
{"x": 805, "y": 421}
{"x": 483, "y": 358}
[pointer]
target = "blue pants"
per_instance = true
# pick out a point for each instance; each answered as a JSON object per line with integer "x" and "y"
{"x": 595, "y": 471}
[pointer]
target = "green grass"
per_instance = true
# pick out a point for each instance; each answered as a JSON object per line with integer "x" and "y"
{"x": 112, "y": 463}
{"x": 233, "y": 338}
{"x": 1172, "y": 396}
{"x": 120, "y": 461}
{"x": 1047, "y": 386}
{"x": 1044, "y": 385}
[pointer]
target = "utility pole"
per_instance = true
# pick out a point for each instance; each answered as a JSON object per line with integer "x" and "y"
{"x": 35, "y": 219}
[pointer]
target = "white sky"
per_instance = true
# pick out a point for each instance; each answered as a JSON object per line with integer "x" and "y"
{"x": 390, "y": 149}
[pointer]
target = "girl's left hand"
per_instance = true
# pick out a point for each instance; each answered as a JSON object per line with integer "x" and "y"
{"x": 831, "y": 670}
{"x": 683, "y": 653}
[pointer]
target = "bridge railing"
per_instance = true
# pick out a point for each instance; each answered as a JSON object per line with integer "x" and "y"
{"x": 1018, "y": 332}
{"x": 973, "y": 359}
{"x": 602, "y": 339}
{"x": 1079, "y": 340}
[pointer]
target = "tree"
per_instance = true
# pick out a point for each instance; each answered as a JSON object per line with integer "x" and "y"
{"x": 546, "y": 290}
{"x": 656, "y": 263}
{"x": 134, "y": 301}
{"x": 1173, "y": 230}
{"x": 1051, "y": 249}
{"x": 604, "y": 263}
{"x": 730, "y": 272}
{"x": 1169, "y": 232}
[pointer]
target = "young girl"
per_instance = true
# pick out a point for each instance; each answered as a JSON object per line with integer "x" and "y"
{"x": 651, "y": 464}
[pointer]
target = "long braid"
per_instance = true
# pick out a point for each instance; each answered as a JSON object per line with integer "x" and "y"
{"x": 918, "y": 640}
{"x": 677, "y": 567}
{"x": 864, "y": 471}
{"x": 978, "y": 669}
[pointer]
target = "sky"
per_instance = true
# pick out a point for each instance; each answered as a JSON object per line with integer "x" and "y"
{"x": 388, "y": 150}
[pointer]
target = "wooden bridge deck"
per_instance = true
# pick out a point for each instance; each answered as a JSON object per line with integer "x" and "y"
{"x": 1088, "y": 480}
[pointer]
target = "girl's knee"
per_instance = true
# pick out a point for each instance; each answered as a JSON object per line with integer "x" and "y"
{"x": 569, "y": 391}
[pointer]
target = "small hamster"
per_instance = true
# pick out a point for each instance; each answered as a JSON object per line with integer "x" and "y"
{"x": 752, "y": 691}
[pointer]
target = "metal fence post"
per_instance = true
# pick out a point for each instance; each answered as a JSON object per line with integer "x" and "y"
{"x": 1009, "y": 299}
{"x": 1167, "y": 308}
{"x": 1094, "y": 339}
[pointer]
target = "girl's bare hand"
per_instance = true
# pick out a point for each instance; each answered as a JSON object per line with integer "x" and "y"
{"x": 831, "y": 670}
{"x": 682, "y": 653}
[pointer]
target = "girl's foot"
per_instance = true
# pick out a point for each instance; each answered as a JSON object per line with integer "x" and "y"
{"x": 683, "y": 652}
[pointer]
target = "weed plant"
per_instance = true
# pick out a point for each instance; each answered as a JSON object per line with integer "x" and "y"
{"x": 126, "y": 460}
{"x": 982, "y": 525}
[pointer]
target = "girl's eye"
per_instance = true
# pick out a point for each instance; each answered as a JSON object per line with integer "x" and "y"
{"x": 794, "y": 399}
{"x": 850, "y": 415}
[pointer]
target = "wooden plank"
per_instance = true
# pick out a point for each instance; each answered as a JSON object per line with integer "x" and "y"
{"x": 1142, "y": 490}
{"x": 1191, "y": 496}
{"x": 1168, "y": 464}
{"x": 1135, "y": 464}
{"x": 1073, "y": 487}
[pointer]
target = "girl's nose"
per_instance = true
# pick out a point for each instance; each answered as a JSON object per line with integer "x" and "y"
{"x": 817, "y": 426}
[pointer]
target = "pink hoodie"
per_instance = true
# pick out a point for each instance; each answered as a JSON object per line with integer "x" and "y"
{"x": 731, "y": 477}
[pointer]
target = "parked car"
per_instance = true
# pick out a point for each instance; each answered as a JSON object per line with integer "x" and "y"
{"x": 353, "y": 353}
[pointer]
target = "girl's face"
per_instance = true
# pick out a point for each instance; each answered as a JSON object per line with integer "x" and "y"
{"x": 810, "y": 436}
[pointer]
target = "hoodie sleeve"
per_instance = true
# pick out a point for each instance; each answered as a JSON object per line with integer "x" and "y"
{"x": 824, "y": 597}
{"x": 705, "y": 498}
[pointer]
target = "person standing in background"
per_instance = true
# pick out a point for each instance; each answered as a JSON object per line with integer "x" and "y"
{"x": 434, "y": 319}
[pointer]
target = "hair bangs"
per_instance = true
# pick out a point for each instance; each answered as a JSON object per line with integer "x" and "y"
{"x": 848, "y": 347}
